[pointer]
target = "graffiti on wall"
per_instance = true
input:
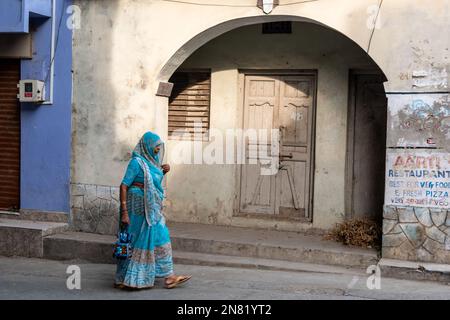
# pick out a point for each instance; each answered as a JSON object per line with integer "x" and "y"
{"x": 419, "y": 121}
{"x": 419, "y": 178}
{"x": 430, "y": 120}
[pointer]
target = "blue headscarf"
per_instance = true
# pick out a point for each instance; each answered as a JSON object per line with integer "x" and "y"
{"x": 150, "y": 163}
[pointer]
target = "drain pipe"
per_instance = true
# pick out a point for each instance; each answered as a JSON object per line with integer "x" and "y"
{"x": 52, "y": 54}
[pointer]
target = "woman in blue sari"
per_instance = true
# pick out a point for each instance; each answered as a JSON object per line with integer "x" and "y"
{"x": 141, "y": 196}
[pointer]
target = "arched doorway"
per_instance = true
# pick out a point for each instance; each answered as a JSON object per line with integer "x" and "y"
{"x": 177, "y": 59}
{"x": 320, "y": 188}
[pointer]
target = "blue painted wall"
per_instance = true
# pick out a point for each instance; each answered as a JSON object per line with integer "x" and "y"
{"x": 14, "y": 14}
{"x": 45, "y": 129}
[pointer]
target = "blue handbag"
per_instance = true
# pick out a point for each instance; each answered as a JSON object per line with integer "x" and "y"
{"x": 122, "y": 248}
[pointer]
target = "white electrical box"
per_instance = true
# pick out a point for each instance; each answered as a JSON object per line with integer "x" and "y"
{"x": 31, "y": 91}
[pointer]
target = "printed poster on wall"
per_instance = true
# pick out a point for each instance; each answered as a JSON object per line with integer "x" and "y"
{"x": 419, "y": 178}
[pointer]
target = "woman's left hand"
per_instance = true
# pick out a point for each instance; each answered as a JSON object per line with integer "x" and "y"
{"x": 165, "y": 168}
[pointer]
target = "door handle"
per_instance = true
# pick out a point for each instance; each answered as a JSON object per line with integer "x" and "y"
{"x": 289, "y": 156}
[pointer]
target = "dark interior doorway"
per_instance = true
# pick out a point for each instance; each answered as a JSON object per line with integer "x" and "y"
{"x": 366, "y": 145}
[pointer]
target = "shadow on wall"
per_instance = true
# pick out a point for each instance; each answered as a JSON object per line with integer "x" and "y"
{"x": 94, "y": 208}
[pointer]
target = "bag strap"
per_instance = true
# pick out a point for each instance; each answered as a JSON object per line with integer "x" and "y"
{"x": 124, "y": 228}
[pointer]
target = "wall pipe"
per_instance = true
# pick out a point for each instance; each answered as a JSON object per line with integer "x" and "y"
{"x": 52, "y": 54}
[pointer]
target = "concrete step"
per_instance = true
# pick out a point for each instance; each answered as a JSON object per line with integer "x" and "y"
{"x": 237, "y": 242}
{"x": 268, "y": 244}
{"x": 84, "y": 246}
{"x": 25, "y": 238}
{"x": 35, "y": 215}
{"x": 203, "y": 259}
{"x": 98, "y": 249}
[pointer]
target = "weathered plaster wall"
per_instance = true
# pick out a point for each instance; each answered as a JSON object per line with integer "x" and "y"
{"x": 112, "y": 95}
{"x": 412, "y": 46}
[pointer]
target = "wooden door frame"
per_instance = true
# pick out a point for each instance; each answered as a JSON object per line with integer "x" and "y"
{"x": 349, "y": 165}
{"x": 242, "y": 73}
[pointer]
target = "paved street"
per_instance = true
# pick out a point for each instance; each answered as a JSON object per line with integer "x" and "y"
{"x": 22, "y": 278}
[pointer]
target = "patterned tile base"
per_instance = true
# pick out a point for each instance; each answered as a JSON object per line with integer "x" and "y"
{"x": 416, "y": 234}
{"x": 94, "y": 208}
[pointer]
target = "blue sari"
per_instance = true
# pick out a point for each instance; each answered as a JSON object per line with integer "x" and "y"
{"x": 152, "y": 251}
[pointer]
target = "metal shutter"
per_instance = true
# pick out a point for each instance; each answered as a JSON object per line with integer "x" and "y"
{"x": 9, "y": 135}
{"x": 189, "y": 103}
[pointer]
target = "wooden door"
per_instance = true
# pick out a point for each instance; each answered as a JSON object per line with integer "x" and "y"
{"x": 284, "y": 103}
{"x": 367, "y": 146}
{"x": 9, "y": 135}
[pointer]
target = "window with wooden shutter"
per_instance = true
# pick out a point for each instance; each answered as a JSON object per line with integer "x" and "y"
{"x": 189, "y": 105}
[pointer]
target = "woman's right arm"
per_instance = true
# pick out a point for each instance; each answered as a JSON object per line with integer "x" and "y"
{"x": 124, "y": 218}
{"x": 131, "y": 173}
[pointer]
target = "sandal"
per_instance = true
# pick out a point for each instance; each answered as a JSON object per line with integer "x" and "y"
{"x": 127, "y": 288}
{"x": 119, "y": 286}
{"x": 177, "y": 281}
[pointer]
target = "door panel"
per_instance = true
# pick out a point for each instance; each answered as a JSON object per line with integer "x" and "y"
{"x": 292, "y": 188}
{"x": 295, "y": 101}
{"x": 296, "y": 118}
{"x": 261, "y": 99}
{"x": 285, "y": 103}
